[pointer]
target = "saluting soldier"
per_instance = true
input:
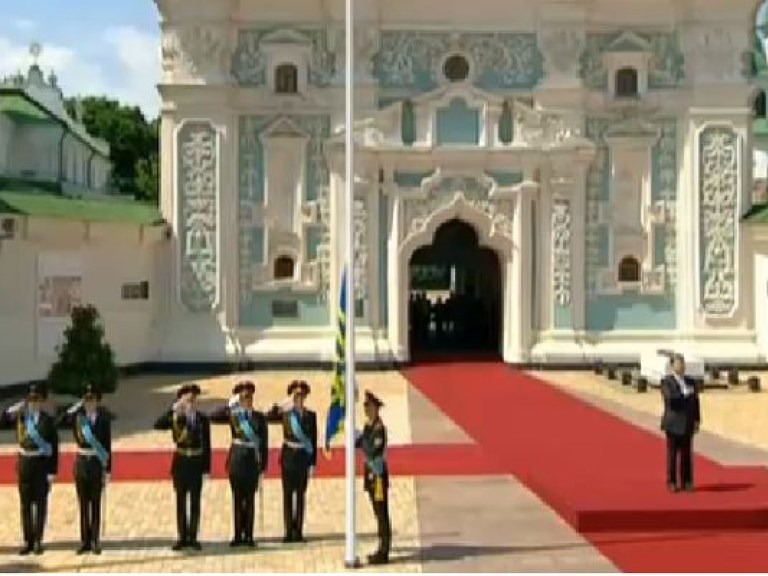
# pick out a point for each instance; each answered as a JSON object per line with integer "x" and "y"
{"x": 298, "y": 456}
{"x": 92, "y": 429}
{"x": 191, "y": 461}
{"x": 247, "y": 457}
{"x": 373, "y": 442}
{"x": 38, "y": 462}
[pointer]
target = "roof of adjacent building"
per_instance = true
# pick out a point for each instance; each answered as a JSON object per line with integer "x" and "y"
{"x": 757, "y": 214}
{"x": 46, "y": 201}
{"x": 32, "y": 98}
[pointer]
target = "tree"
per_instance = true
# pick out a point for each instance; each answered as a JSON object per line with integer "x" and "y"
{"x": 148, "y": 179}
{"x": 84, "y": 357}
{"x": 132, "y": 139}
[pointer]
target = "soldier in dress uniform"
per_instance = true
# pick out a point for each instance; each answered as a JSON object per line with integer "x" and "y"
{"x": 247, "y": 459}
{"x": 191, "y": 461}
{"x": 92, "y": 429}
{"x": 373, "y": 442}
{"x": 38, "y": 463}
{"x": 298, "y": 456}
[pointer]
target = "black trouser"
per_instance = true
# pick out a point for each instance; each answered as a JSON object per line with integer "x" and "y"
{"x": 244, "y": 482}
{"x": 679, "y": 450}
{"x": 295, "y": 465}
{"x": 188, "y": 485}
{"x": 383, "y": 525}
{"x": 33, "y": 494}
{"x": 89, "y": 483}
{"x": 379, "y": 497}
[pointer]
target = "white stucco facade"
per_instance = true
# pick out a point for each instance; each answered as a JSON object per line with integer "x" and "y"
{"x": 567, "y": 172}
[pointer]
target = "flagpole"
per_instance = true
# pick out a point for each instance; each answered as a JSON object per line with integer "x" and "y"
{"x": 350, "y": 556}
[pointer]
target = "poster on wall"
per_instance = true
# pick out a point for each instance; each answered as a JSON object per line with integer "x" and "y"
{"x": 59, "y": 290}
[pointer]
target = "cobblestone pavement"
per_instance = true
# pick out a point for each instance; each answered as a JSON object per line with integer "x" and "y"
{"x": 735, "y": 414}
{"x": 140, "y": 528}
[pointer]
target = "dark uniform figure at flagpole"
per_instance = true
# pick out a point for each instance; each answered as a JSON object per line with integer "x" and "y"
{"x": 247, "y": 459}
{"x": 373, "y": 442}
{"x": 191, "y": 463}
{"x": 298, "y": 456}
{"x": 92, "y": 430}
{"x": 38, "y": 462}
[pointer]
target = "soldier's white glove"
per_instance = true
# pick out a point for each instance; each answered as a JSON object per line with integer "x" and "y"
{"x": 234, "y": 401}
{"x": 206, "y": 477}
{"x": 16, "y": 407}
{"x": 311, "y": 471}
{"x": 286, "y": 404}
{"x": 51, "y": 478}
{"x": 75, "y": 407}
{"x": 177, "y": 406}
{"x": 107, "y": 477}
{"x": 358, "y": 435}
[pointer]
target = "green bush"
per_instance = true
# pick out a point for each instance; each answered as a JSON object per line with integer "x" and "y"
{"x": 84, "y": 356}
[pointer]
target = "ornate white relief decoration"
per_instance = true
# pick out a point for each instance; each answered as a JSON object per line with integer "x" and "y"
{"x": 718, "y": 219}
{"x": 201, "y": 52}
{"x": 717, "y": 53}
{"x": 540, "y": 129}
{"x": 562, "y": 47}
{"x": 360, "y": 234}
{"x": 561, "y": 251}
{"x": 197, "y": 190}
{"x": 475, "y": 190}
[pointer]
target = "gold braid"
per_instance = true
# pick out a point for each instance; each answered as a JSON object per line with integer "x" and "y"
{"x": 21, "y": 429}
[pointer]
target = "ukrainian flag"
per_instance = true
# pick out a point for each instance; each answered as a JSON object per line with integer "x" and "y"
{"x": 336, "y": 411}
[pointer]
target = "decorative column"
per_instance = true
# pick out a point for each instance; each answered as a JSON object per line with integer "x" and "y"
{"x": 517, "y": 285}
{"x": 397, "y": 322}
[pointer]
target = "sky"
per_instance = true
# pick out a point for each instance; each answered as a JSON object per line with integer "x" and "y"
{"x": 96, "y": 47}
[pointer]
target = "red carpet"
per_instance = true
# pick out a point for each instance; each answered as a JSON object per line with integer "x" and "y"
{"x": 603, "y": 475}
{"x": 413, "y": 460}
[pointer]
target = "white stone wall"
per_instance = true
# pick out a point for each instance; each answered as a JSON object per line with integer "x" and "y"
{"x": 106, "y": 256}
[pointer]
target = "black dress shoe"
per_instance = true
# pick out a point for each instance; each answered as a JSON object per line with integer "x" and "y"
{"x": 378, "y": 559}
{"x": 26, "y": 550}
{"x": 235, "y": 543}
{"x": 195, "y": 545}
{"x": 178, "y": 546}
{"x": 288, "y": 538}
{"x": 689, "y": 488}
{"x": 96, "y": 549}
{"x": 672, "y": 488}
{"x": 250, "y": 543}
{"x": 83, "y": 549}
{"x": 38, "y": 549}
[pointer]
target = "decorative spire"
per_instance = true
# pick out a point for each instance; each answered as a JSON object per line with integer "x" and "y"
{"x": 35, "y": 49}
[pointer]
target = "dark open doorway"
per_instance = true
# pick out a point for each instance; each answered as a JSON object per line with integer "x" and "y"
{"x": 455, "y": 294}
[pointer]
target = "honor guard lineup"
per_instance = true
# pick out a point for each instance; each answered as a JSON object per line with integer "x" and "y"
{"x": 247, "y": 460}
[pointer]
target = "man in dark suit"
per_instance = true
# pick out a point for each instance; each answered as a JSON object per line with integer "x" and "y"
{"x": 191, "y": 461}
{"x": 680, "y": 421}
{"x": 92, "y": 430}
{"x": 247, "y": 459}
{"x": 298, "y": 456}
{"x": 38, "y": 463}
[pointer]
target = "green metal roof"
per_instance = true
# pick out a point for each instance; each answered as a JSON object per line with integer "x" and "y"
{"x": 760, "y": 127}
{"x": 757, "y": 214}
{"x": 22, "y": 109}
{"x": 48, "y": 205}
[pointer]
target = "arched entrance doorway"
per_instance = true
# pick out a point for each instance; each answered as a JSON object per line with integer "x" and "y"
{"x": 455, "y": 296}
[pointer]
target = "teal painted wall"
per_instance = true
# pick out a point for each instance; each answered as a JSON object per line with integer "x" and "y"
{"x": 630, "y": 311}
{"x": 562, "y": 317}
{"x": 313, "y": 311}
{"x": 458, "y": 124}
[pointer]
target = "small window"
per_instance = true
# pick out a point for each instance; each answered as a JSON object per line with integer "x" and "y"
{"x": 629, "y": 269}
{"x": 759, "y": 105}
{"x": 135, "y": 291}
{"x": 626, "y": 83}
{"x": 456, "y": 68}
{"x": 284, "y": 268}
{"x": 286, "y": 79}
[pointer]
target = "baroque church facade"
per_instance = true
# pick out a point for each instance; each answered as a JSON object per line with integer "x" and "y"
{"x": 600, "y": 150}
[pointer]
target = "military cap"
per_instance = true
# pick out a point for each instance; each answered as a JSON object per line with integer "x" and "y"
{"x": 372, "y": 399}
{"x": 91, "y": 391}
{"x": 188, "y": 389}
{"x": 38, "y": 390}
{"x": 298, "y": 386}
{"x": 244, "y": 387}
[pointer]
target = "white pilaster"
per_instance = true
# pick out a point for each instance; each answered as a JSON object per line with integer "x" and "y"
{"x": 517, "y": 285}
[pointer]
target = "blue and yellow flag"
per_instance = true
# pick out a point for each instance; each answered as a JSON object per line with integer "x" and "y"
{"x": 336, "y": 411}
